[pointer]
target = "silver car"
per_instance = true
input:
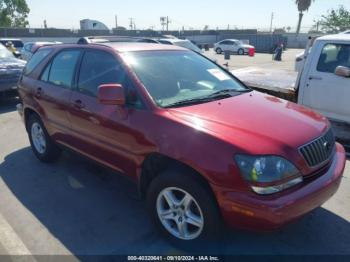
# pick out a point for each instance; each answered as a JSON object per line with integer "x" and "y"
{"x": 232, "y": 45}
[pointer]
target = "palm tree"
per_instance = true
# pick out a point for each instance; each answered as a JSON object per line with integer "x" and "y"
{"x": 303, "y": 5}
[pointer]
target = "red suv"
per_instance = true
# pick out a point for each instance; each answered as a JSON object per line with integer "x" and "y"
{"x": 203, "y": 149}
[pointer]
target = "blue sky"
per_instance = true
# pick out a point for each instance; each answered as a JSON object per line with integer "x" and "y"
{"x": 188, "y": 13}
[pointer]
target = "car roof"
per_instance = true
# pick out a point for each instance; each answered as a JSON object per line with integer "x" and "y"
{"x": 173, "y": 40}
{"x": 339, "y": 37}
{"x": 229, "y": 40}
{"x": 122, "y": 47}
{"x": 10, "y": 39}
{"x": 130, "y": 47}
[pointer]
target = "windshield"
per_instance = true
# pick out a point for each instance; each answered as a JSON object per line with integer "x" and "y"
{"x": 188, "y": 45}
{"x": 4, "y": 53}
{"x": 172, "y": 77}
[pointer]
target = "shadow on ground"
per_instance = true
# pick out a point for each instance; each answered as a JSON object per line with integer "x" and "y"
{"x": 91, "y": 210}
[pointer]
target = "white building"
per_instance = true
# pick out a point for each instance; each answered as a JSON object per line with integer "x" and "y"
{"x": 88, "y": 24}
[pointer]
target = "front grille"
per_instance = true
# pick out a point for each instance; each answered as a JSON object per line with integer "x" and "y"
{"x": 320, "y": 150}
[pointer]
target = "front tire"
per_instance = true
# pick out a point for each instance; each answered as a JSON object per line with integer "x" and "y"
{"x": 240, "y": 51}
{"x": 183, "y": 209}
{"x": 42, "y": 145}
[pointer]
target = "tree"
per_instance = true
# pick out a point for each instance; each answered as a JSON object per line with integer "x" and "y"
{"x": 14, "y": 13}
{"x": 303, "y": 5}
{"x": 337, "y": 20}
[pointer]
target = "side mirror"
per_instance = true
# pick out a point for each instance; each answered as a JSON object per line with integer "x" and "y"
{"x": 342, "y": 71}
{"x": 111, "y": 94}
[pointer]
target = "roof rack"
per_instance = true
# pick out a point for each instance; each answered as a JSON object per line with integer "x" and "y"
{"x": 115, "y": 39}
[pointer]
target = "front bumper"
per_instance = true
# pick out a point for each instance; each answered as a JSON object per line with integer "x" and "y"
{"x": 267, "y": 213}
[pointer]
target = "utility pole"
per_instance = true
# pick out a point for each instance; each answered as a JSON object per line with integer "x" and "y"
{"x": 131, "y": 25}
{"x": 167, "y": 23}
{"x": 271, "y": 25}
{"x": 164, "y": 21}
{"x": 116, "y": 22}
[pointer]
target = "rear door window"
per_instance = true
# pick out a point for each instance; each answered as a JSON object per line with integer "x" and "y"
{"x": 332, "y": 56}
{"x": 36, "y": 59}
{"x": 63, "y": 68}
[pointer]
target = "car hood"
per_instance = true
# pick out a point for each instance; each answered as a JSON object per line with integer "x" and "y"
{"x": 11, "y": 63}
{"x": 255, "y": 122}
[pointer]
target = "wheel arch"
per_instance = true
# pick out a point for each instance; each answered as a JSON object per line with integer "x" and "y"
{"x": 27, "y": 113}
{"x": 155, "y": 163}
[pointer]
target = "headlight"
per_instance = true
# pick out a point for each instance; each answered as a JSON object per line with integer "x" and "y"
{"x": 268, "y": 170}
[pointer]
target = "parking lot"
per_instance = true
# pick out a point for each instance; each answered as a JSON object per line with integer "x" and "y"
{"x": 75, "y": 207}
{"x": 259, "y": 60}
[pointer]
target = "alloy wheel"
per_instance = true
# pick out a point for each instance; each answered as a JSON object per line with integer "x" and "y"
{"x": 180, "y": 214}
{"x": 38, "y": 138}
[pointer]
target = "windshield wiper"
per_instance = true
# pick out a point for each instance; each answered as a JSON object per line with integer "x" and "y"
{"x": 226, "y": 92}
{"x": 190, "y": 102}
{"x": 222, "y": 94}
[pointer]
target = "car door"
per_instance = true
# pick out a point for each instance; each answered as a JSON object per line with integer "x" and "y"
{"x": 54, "y": 90}
{"x": 325, "y": 91}
{"x": 225, "y": 45}
{"x": 103, "y": 132}
{"x": 234, "y": 47}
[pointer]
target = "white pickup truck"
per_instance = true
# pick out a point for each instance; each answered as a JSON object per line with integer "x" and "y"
{"x": 322, "y": 83}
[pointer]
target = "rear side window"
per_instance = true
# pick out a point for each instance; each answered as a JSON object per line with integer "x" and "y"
{"x": 28, "y": 47}
{"x": 63, "y": 68}
{"x": 99, "y": 68}
{"x": 165, "y": 42}
{"x": 36, "y": 59}
{"x": 18, "y": 44}
{"x": 332, "y": 56}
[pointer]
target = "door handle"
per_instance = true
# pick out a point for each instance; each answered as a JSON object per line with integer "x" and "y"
{"x": 315, "y": 78}
{"x": 38, "y": 92}
{"x": 78, "y": 104}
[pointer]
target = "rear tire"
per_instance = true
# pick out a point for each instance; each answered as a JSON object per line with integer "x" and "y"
{"x": 218, "y": 51}
{"x": 193, "y": 217}
{"x": 42, "y": 145}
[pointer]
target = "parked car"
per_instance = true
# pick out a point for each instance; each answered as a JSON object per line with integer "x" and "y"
{"x": 232, "y": 45}
{"x": 10, "y": 70}
{"x": 203, "y": 149}
{"x": 17, "y": 43}
{"x": 180, "y": 42}
{"x": 30, "y": 48}
{"x": 322, "y": 83}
